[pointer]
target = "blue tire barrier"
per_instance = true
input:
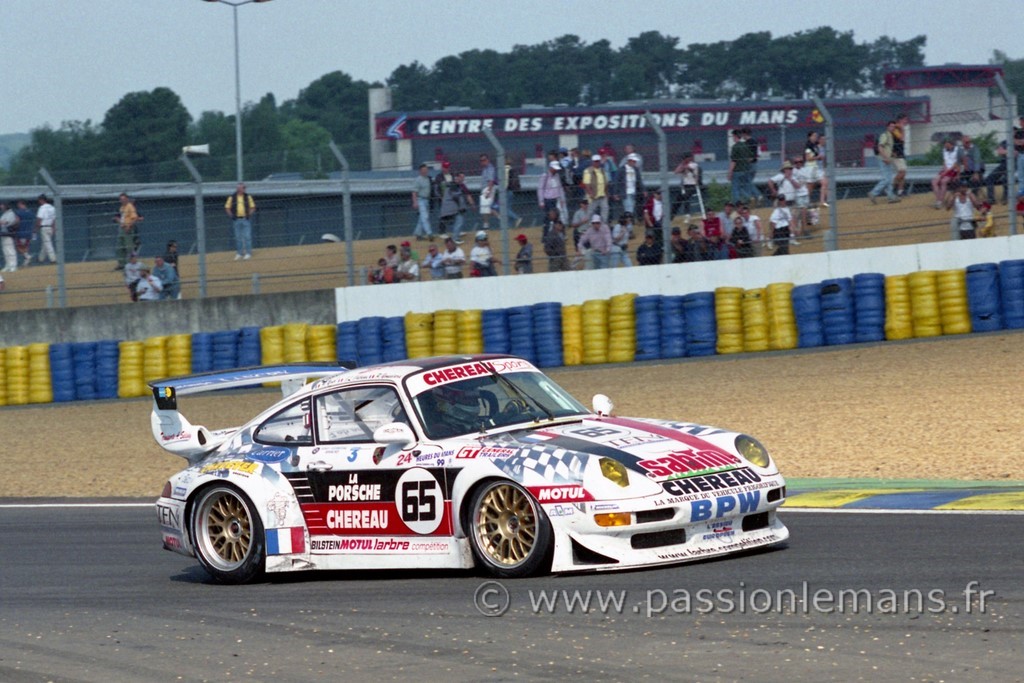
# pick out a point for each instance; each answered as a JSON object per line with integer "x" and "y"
{"x": 520, "y": 333}
{"x": 672, "y": 322}
{"x": 1011, "y": 289}
{"x": 869, "y": 307}
{"x": 108, "y": 361}
{"x": 371, "y": 345}
{"x": 494, "y": 329}
{"x": 807, "y": 311}
{"x": 393, "y": 339}
{"x": 202, "y": 352}
{"x": 225, "y": 350}
{"x": 984, "y": 298}
{"x": 84, "y": 368}
{"x": 701, "y": 325}
{"x": 250, "y": 350}
{"x": 547, "y": 334}
{"x": 347, "y": 342}
{"x": 62, "y": 372}
{"x": 648, "y": 327}
{"x": 837, "y": 312}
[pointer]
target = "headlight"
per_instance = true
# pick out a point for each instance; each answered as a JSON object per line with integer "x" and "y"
{"x": 751, "y": 449}
{"x": 614, "y": 471}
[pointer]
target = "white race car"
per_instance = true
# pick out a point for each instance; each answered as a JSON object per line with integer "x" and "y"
{"x": 452, "y": 462}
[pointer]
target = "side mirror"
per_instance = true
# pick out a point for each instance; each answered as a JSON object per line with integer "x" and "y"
{"x": 603, "y": 405}
{"x": 397, "y": 433}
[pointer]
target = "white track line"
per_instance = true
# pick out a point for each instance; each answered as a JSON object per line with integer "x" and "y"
{"x": 77, "y": 505}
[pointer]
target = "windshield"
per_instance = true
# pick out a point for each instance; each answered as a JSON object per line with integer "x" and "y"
{"x": 488, "y": 401}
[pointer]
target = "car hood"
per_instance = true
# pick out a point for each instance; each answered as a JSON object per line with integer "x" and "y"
{"x": 632, "y": 441}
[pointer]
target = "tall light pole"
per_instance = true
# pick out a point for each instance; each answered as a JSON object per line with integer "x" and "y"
{"x": 235, "y": 4}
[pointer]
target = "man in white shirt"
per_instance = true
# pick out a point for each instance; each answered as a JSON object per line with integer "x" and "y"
{"x": 148, "y": 287}
{"x": 46, "y": 223}
{"x": 408, "y": 270}
{"x": 8, "y": 229}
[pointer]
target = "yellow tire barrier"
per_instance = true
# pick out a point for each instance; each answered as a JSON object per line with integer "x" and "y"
{"x": 572, "y": 335}
{"x": 272, "y": 345}
{"x": 470, "y": 326}
{"x": 419, "y": 334}
{"x": 154, "y": 358}
{"x": 899, "y": 317}
{"x": 3, "y": 377}
{"x": 729, "y": 319}
{"x": 755, "y": 321}
{"x": 953, "y": 308}
{"x": 595, "y": 331}
{"x": 782, "y": 329}
{"x": 622, "y": 328}
{"x": 17, "y": 375}
{"x": 179, "y": 355}
{"x": 321, "y": 343}
{"x": 295, "y": 342}
{"x": 924, "y": 303}
{"x": 446, "y": 332}
{"x": 40, "y": 382}
{"x": 129, "y": 369}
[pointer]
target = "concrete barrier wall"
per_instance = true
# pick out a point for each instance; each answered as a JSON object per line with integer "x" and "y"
{"x": 675, "y": 279}
{"x": 142, "y": 320}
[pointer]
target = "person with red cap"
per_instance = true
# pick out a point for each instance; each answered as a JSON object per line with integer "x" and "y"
{"x": 524, "y": 258}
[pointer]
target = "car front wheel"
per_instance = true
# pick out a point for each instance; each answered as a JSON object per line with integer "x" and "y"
{"x": 228, "y": 534}
{"x": 510, "y": 534}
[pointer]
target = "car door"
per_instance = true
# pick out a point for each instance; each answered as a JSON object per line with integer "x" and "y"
{"x": 347, "y": 489}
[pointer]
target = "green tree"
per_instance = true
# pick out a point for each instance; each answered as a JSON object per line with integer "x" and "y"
{"x": 145, "y": 128}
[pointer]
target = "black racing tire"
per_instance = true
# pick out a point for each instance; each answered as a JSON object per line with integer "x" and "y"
{"x": 227, "y": 534}
{"x": 510, "y": 535}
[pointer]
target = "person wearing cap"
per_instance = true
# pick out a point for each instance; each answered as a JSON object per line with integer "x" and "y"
{"x": 717, "y": 248}
{"x": 690, "y": 176}
{"x": 780, "y": 220}
{"x": 438, "y": 184}
{"x": 740, "y": 239}
{"x": 622, "y": 232}
{"x": 595, "y": 185}
{"x": 524, "y": 257}
{"x": 554, "y": 248}
{"x": 649, "y": 253}
{"x": 452, "y": 258}
{"x": 148, "y": 287}
{"x": 434, "y": 261}
{"x": 629, "y": 184}
{"x": 408, "y": 270}
{"x": 46, "y": 224}
{"x": 695, "y": 248}
{"x": 752, "y": 222}
{"x": 629, "y": 150}
{"x": 550, "y": 192}
{"x": 421, "y": 203}
{"x": 790, "y": 185}
{"x": 482, "y": 258}
{"x": 677, "y": 243}
{"x": 8, "y": 229}
{"x": 597, "y": 240}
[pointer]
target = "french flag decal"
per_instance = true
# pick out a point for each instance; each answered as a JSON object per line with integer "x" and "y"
{"x": 286, "y": 541}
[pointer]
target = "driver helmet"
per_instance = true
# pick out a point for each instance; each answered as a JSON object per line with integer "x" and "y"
{"x": 458, "y": 403}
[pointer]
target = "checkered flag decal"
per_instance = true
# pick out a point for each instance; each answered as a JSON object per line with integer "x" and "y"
{"x": 554, "y": 464}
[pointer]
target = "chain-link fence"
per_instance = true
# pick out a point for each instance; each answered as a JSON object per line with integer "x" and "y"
{"x": 318, "y": 227}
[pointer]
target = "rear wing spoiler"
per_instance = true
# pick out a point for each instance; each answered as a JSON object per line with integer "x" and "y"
{"x": 177, "y": 435}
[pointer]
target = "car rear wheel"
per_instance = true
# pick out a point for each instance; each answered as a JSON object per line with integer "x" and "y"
{"x": 511, "y": 536}
{"x": 228, "y": 535}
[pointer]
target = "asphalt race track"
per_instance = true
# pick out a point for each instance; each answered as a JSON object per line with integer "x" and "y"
{"x": 88, "y": 595}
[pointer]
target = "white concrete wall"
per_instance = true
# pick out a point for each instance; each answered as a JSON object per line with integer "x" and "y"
{"x": 578, "y": 286}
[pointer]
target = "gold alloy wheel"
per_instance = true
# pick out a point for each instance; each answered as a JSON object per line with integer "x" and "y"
{"x": 506, "y": 525}
{"x": 224, "y": 529}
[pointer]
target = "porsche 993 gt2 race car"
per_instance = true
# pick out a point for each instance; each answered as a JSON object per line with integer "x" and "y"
{"x": 451, "y": 462}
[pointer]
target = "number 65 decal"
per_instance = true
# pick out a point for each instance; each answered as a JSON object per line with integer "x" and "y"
{"x": 420, "y": 500}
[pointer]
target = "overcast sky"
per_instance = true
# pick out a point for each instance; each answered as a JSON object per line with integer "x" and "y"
{"x": 67, "y": 60}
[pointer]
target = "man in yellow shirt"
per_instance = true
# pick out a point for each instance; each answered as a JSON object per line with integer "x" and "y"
{"x": 240, "y": 207}
{"x": 127, "y": 220}
{"x": 595, "y": 184}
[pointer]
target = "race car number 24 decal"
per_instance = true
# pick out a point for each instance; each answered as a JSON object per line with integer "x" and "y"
{"x": 420, "y": 500}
